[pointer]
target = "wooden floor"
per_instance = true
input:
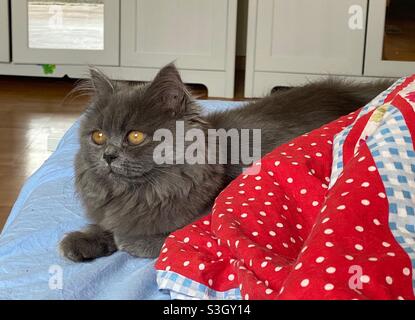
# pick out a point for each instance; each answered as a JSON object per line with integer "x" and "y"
{"x": 31, "y": 111}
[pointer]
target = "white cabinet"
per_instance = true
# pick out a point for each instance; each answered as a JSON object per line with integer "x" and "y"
{"x": 4, "y": 31}
{"x": 198, "y": 35}
{"x": 287, "y": 38}
{"x": 68, "y": 33}
{"x": 390, "y": 50}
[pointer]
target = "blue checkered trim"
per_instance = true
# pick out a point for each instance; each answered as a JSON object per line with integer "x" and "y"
{"x": 340, "y": 138}
{"x": 182, "y": 288}
{"x": 392, "y": 149}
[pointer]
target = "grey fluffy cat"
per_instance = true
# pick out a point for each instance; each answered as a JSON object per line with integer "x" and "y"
{"x": 132, "y": 202}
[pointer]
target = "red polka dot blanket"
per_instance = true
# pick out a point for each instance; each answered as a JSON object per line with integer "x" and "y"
{"x": 329, "y": 215}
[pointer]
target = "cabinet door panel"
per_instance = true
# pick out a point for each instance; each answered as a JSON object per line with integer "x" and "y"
{"x": 193, "y": 33}
{"x": 66, "y": 32}
{"x": 319, "y": 36}
{"x": 390, "y": 53}
{"x": 4, "y": 31}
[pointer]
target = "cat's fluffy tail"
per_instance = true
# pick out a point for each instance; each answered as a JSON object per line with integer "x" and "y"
{"x": 358, "y": 93}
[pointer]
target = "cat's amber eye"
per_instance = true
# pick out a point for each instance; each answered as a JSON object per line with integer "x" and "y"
{"x": 99, "y": 137}
{"x": 135, "y": 137}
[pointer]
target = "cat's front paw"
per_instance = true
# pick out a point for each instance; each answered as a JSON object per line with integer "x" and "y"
{"x": 80, "y": 246}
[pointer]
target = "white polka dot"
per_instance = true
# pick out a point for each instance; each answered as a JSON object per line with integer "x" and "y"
{"x": 358, "y": 247}
{"x": 277, "y": 163}
{"x": 305, "y": 283}
{"x": 168, "y": 268}
{"x": 264, "y": 264}
{"x": 361, "y": 159}
{"x": 269, "y": 247}
{"x": 348, "y": 181}
{"x": 391, "y": 254}
{"x": 290, "y": 180}
{"x": 236, "y": 243}
{"x": 319, "y": 155}
{"x": 241, "y": 192}
{"x": 320, "y": 259}
{"x": 258, "y": 178}
{"x": 365, "y": 184}
{"x": 282, "y": 290}
{"x": 350, "y": 258}
{"x": 201, "y": 267}
{"x": 328, "y": 287}
{"x": 206, "y": 223}
{"x": 272, "y": 233}
{"x": 285, "y": 207}
{"x": 269, "y": 291}
{"x": 280, "y": 225}
{"x": 315, "y": 203}
{"x": 299, "y": 226}
{"x": 341, "y": 207}
{"x": 271, "y": 194}
{"x": 186, "y": 263}
{"x": 389, "y": 280}
{"x": 244, "y": 215}
{"x": 209, "y": 244}
{"x": 219, "y": 254}
{"x": 186, "y": 240}
{"x": 325, "y": 220}
{"x": 331, "y": 270}
{"x": 210, "y": 282}
{"x": 298, "y": 266}
{"x": 231, "y": 277}
{"x": 365, "y": 279}
{"x": 303, "y": 191}
{"x": 277, "y": 269}
{"x": 229, "y": 210}
{"x": 359, "y": 229}
{"x": 267, "y": 203}
{"x": 373, "y": 259}
{"x": 260, "y": 222}
{"x": 386, "y": 244}
{"x": 376, "y": 222}
{"x": 165, "y": 250}
{"x": 324, "y": 208}
{"x": 255, "y": 234}
{"x": 372, "y": 169}
{"x": 329, "y": 244}
{"x": 258, "y": 188}
{"x": 285, "y": 245}
{"x": 365, "y": 202}
{"x": 328, "y": 231}
{"x": 406, "y": 271}
{"x": 344, "y": 194}
{"x": 246, "y": 296}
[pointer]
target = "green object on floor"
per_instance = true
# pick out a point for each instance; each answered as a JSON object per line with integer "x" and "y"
{"x": 49, "y": 68}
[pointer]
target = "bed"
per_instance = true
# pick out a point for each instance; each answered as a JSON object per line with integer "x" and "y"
{"x": 46, "y": 209}
{"x": 329, "y": 215}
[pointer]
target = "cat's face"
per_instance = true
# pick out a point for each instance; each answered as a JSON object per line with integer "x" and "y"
{"x": 117, "y": 129}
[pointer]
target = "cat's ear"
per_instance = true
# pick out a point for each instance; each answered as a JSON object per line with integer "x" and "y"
{"x": 168, "y": 92}
{"x": 100, "y": 83}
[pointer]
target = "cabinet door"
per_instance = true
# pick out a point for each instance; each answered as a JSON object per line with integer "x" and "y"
{"x": 66, "y": 32}
{"x": 390, "y": 45}
{"x": 303, "y": 36}
{"x": 193, "y": 33}
{"x": 4, "y": 31}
